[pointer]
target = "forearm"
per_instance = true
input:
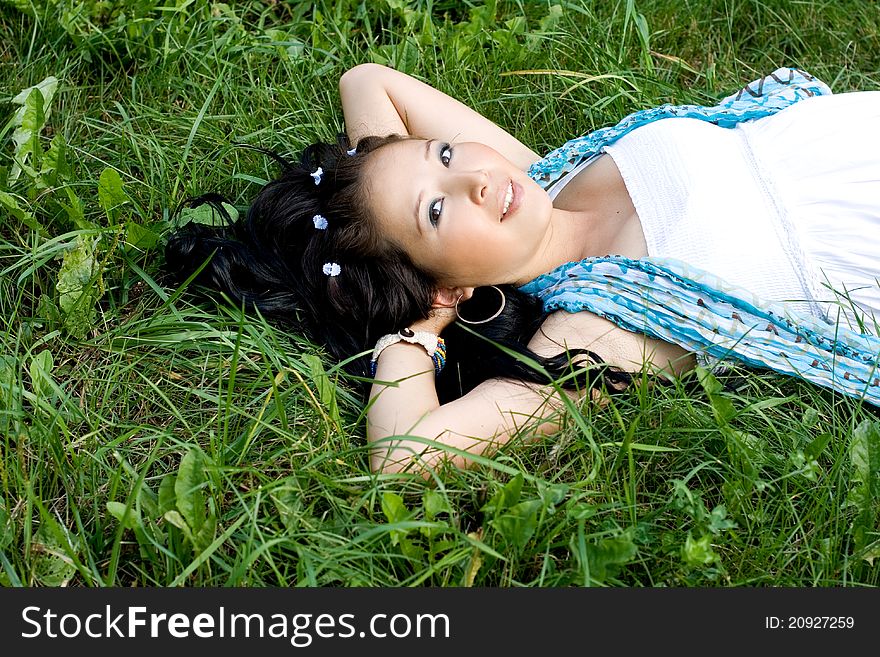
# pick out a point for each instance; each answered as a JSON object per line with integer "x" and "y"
{"x": 366, "y": 105}
{"x": 402, "y": 418}
{"x": 396, "y": 409}
{"x": 377, "y": 100}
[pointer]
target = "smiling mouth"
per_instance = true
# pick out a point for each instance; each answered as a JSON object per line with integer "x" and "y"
{"x": 508, "y": 197}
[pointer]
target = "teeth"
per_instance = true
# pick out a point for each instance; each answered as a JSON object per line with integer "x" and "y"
{"x": 507, "y": 198}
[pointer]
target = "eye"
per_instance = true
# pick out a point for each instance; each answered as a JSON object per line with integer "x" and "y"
{"x": 434, "y": 211}
{"x": 445, "y": 154}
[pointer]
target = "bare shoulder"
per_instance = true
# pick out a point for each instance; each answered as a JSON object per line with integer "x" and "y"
{"x": 623, "y": 349}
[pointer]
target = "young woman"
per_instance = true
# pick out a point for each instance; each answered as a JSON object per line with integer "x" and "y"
{"x": 451, "y": 226}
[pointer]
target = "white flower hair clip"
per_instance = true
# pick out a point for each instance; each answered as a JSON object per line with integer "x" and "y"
{"x": 352, "y": 151}
{"x": 317, "y": 175}
{"x": 320, "y": 222}
{"x": 331, "y": 269}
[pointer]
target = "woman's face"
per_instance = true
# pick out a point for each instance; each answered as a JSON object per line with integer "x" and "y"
{"x": 462, "y": 212}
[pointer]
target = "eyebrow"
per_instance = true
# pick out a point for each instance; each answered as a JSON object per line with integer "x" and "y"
{"x": 419, "y": 199}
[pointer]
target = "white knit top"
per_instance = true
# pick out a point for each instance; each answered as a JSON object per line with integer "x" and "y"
{"x": 702, "y": 198}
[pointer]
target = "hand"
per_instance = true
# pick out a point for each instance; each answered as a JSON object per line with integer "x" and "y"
{"x": 438, "y": 319}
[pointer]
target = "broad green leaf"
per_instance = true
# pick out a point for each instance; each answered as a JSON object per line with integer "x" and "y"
{"x": 75, "y": 211}
{"x": 817, "y": 445}
{"x": 205, "y": 535}
{"x": 26, "y": 137}
{"x": 41, "y": 373}
{"x": 811, "y": 417}
{"x": 111, "y": 196}
{"x": 746, "y": 449}
{"x": 517, "y": 524}
{"x": 395, "y": 511}
{"x": 393, "y": 507}
{"x": 864, "y": 492}
{"x": 865, "y": 456}
{"x": 434, "y": 504}
{"x": 721, "y": 406}
{"x": 507, "y": 496}
{"x": 28, "y": 121}
{"x": 79, "y": 286}
{"x": 553, "y": 16}
{"x": 871, "y": 552}
{"x": 189, "y": 489}
{"x": 326, "y": 388}
{"x": 582, "y": 511}
{"x": 140, "y": 237}
{"x": 607, "y": 554}
{"x": 10, "y": 203}
{"x": 551, "y": 495}
{"x": 54, "y": 168}
{"x": 410, "y": 549}
{"x": 148, "y": 501}
{"x": 177, "y": 520}
{"x": 231, "y": 211}
{"x": 698, "y": 552}
{"x": 25, "y": 6}
{"x": 689, "y": 501}
{"x": 206, "y": 215}
{"x": 718, "y": 521}
{"x": 50, "y": 551}
{"x": 167, "y": 496}
{"x": 126, "y": 516}
{"x": 288, "y": 499}
{"x": 474, "y": 565}
{"x": 47, "y": 89}
{"x": 47, "y": 309}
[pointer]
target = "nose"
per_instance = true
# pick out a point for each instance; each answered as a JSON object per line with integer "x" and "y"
{"x": 476, "y": 184}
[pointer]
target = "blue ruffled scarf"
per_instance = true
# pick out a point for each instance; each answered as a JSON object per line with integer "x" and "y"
{"x": 670, "y": 300}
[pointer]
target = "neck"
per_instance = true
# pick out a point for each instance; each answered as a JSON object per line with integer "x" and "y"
{"x": 571, "y": 236}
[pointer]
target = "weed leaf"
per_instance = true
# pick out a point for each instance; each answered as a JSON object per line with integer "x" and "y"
{"x": 10, "y": 203}
{"x": 111, "y": 196}
{"x": 79, "y": 286}
{"x": 507, "y": 496}
{"x": 189, "y": 489}
{"x": 118, "y": 510}
{"x": 864, "y": 491}
{"x": 167, "y": 496}
{"x": 41, "y": 374}
{"x": 52, "y": 547}
{"x": 325, "y": 387}
{"x": 698, "y": 552}
{"x": 518, "y": 523}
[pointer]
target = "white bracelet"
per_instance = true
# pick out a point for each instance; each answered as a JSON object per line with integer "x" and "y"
{"x": 433, "y": 344}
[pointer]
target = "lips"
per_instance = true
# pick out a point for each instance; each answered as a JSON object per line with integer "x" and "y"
{"x": 512, "y": 195}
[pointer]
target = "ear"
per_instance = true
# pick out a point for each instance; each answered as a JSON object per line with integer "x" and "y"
{"x": 447, "y": 297}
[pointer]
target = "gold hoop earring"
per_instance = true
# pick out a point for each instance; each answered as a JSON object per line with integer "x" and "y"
{"x": 488, "y": 319}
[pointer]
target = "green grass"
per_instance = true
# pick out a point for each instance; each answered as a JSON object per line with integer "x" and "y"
{"x": 148, "y": 439}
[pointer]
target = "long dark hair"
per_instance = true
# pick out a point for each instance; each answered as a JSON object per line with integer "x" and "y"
{"x": 274, "y": 258}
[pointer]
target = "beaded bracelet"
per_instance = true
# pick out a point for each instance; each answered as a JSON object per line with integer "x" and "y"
{"x": 433, "y": 344}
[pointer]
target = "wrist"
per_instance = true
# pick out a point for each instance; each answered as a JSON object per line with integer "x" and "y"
{"x": 436, "y": 322}
{"x": 433, "y": 345}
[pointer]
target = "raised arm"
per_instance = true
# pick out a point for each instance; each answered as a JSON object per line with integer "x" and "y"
{"x": 377, "y": 100}
{"x": 492, "y": 413}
